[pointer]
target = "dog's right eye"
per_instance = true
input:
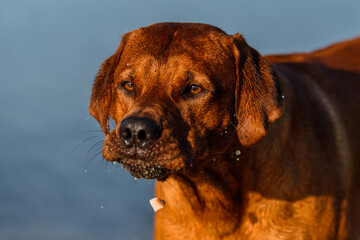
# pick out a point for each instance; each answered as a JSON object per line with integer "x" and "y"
{"x": 127, "y": 85}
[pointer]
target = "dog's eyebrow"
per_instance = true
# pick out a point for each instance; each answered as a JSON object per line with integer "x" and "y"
{"x": 189, "y": 76}
{"x": 200, "y": 78}
{"x": 128, "y": 73}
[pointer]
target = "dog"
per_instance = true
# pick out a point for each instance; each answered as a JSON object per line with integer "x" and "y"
{"x": 243, "y": 146}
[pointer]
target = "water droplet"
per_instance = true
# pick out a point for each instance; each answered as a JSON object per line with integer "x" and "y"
{"x": 283, "y": 96}
{"x": 135, "y": 178}
{"x": 214, "y": 160}
{"x": 237, "y": 159}
{"x": 85, "y": 170}
{"x": 101, "y": 206}
{"x": 225, "y": 131}
{"x": 238, "y": 152}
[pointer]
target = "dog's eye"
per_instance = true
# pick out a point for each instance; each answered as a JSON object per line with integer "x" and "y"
{"x": 128, "y": 86}
{"x": 192, "y": 91}
{"x": 195, "y": 89}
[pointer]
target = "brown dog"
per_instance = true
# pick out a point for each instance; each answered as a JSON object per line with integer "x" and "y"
{"x": 244, "y": 146}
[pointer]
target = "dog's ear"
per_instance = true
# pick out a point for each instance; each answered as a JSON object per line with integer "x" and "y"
{"x": 257, "y": 93}
{"x": 103, "y": 89}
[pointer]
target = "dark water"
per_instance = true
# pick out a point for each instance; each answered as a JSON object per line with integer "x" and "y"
{"x": 50, "y": 186}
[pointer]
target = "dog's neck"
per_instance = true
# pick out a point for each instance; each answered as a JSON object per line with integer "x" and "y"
{"x": 219, "y": 194}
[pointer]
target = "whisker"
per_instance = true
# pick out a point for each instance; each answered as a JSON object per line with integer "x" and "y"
{"x": 93, "y": 147}
{"x": 97, "y": 154}
{"x": 233, "y": 125}
{"x": 100, "y": 163}
{"x": 90, "y": 131}
{"x": 87, "y": 139}
{"x": 168, "y": 181}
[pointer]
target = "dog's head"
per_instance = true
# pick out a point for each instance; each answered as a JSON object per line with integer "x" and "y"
{"x": 180, "y": 94}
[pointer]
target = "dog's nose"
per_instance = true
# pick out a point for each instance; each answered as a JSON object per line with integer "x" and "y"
{"x": 141, "y": 132}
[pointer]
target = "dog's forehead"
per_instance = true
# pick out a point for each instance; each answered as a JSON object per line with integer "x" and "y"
{"x": 176, "y": 46}
{"x": 168, "y": 39}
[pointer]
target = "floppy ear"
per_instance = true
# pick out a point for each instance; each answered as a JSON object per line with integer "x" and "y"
{"x": 103, "y": 89}
{"x": 257, "y": 93}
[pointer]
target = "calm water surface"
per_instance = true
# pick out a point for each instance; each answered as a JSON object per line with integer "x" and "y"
{"x": 54, "y": 183}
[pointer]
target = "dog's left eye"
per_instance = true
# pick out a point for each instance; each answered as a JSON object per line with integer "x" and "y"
{"x": 195, "y": 89}
{"x": 192, "y": 90}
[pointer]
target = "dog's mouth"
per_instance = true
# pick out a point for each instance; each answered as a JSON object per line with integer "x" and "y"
{"x": 152, "y": 168}
{"x": 155, "y": 162}
{"x": 145, "y": 169}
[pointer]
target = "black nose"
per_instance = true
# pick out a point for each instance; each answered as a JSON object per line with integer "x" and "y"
{"x": 141, "y": 132}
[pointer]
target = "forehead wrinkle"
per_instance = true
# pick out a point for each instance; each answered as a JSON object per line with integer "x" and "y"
{"x": 190, "y": 70}
{"x": 125, "y": 74}
{"x": 140, "y": 68}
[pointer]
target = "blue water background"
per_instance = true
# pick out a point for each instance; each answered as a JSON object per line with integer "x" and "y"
{"x": 52, "y": 187}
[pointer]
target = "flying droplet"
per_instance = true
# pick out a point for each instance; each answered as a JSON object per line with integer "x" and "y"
{"x": 238, "y": 152}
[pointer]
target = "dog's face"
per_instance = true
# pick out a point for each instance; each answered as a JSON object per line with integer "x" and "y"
{"x": 174, "y": 92}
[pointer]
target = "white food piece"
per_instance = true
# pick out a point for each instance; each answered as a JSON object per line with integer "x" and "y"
{"x": 157, "y": 203}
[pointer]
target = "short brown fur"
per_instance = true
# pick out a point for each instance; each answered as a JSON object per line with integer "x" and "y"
{"x": 268, "y": 149}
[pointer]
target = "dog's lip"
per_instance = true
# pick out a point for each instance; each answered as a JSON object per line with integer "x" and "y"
{"x": 149, "y": 169}
{"x": 138, "y": 163}
{"x": 144, "y": 170}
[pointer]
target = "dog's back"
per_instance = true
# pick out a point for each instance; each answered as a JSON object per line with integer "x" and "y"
{"x": 331, "y": 76}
